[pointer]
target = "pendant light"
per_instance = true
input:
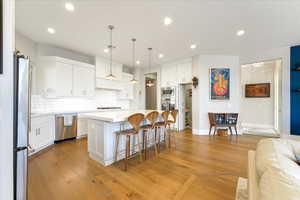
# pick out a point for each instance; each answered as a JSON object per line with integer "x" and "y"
{"x": 149, "y": 83}
{"x": 133, "y": 80}
{"x": 110, "y": 76}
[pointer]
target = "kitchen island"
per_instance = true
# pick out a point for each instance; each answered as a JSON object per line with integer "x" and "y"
{"x": 102, "y": 138}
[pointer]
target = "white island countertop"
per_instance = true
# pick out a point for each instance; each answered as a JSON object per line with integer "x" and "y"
{"x": 114, "y": 116}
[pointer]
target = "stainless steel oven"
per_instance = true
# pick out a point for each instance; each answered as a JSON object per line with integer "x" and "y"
{"x": 168, "y": 98}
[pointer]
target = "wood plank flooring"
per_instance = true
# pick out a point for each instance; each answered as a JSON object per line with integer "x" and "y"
{"x": 201, "y": 167}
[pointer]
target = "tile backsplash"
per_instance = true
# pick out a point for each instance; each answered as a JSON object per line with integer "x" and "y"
{"x": 102, "y": 98}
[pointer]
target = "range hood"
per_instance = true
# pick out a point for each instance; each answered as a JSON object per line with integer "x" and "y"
{"x": 102, "y": 83}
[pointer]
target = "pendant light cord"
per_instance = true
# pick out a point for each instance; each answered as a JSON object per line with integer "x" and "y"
{"x": 133, "y": 57}
{"x": 150, "y": 49}
{"x": 111, "y": 48}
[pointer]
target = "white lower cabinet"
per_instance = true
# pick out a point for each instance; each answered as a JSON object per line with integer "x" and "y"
{"x": 42, "y": 133}
{"x": 82, "y": 127}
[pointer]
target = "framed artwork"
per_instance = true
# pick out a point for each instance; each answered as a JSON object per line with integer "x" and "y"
{"x": 219, "y": 83}
{"x": 259, "y": 90}
{"x": 1, "y": 37}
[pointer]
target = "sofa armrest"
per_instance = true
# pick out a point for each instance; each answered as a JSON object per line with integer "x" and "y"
{"x": 253, "y": 188}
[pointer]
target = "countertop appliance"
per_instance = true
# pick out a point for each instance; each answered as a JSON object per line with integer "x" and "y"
{"x": 65, "y": 127}
{"x": 21, "y": 123}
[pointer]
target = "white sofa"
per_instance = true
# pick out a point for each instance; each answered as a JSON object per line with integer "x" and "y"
{"x": 273, "y": 173}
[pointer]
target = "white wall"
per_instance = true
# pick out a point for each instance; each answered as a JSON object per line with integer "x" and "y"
{"x": 26, "y": 46}
{"x": 201, "y": 100}
{"x": 6, "y": 107}
{"x": 258, "y": 114}
{"x": 49, "y": 50}
{"x": 273, "y": 54}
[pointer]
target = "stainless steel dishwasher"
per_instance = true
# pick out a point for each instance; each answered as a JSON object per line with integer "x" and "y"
{"x": 65, "y": 127}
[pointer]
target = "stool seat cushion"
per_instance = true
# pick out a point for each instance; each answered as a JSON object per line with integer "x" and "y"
{"x": 127, "y": 132}
{"x": 146, "y": 126}
{"x": 170, "y": 121}
{"x": 159, "y": 124}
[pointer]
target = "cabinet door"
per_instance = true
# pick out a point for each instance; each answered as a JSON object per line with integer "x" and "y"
{"x": 82, "y": 128}
{"x": 44, "y": 131}
{"x": 64, "y": 79}
{"x": 169, "y": 75}
{"x": 102, "y": 68}
{"x": 84, "y": 81}
{"x": 184, "y": 72}
{"x": 33, "y": 142}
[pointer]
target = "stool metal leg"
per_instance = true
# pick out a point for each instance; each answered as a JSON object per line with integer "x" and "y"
{"x": 127, "y": 153}
{"x": 155, "y": 145}
{"x": 117, "y": 147}
{"x": 139, "y": 147}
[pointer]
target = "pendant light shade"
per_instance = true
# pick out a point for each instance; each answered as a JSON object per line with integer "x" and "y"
{"x": 149, "y": 83}
{"x": 133, "y": 80}
{"x": 110, "y": 76}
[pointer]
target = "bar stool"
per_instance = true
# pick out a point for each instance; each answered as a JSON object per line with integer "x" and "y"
{"x": 174, "y": 114}
{"x": 135, "y": 121}
{"x": 163, "y": 124}
{"x": 148, "y": 128}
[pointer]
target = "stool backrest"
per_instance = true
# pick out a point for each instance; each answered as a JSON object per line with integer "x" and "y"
{"x": 135, "y": 120}
{"x": 165, "y": 116}
{"x": 174, "y": 115}
{"x": 152, "y": 117}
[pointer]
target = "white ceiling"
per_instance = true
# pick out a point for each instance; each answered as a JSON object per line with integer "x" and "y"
{"x": 211, "y": 24}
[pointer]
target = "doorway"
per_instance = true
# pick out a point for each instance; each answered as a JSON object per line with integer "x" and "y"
{"x": 151, "y": 91}
{"x": 185, "y": 106}
{"x": 262, "y": 116}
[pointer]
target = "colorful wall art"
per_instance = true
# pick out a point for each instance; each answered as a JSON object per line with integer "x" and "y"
{"x": 219, "y": 84}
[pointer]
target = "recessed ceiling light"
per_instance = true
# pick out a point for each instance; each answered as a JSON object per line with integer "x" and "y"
{"x": 168, "y": 21}
{"x": 69, "y": 6}
{"x": 51, "y": 30}
{"x": 106, "y": 50}
{"x": 240, "y": 32}
{"x": 193, "y": 46}
{"x": 138, "y": 62}
{"x": 161, "y": 55}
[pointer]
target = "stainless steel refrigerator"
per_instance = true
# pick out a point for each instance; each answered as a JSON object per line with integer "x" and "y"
{"x": 21, "y": 124}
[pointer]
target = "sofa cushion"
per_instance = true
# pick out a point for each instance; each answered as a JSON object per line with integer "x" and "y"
{"x": 277, "y": 169}
{"x": 268, "y": 151}
{"x": 276, "y": 186}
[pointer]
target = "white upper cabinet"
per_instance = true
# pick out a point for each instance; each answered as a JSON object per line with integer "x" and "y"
{"x": 184, "y": 72}
{"x": 64, "y": 80}
{"x": 59, "y": 77}
{"x": 173, "y": 74}
{"x": 84, "y": 81}
{"x": 103, "y": 69}
{"x": 169, "y": 75}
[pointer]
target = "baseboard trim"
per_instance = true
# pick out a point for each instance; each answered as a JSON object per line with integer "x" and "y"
{"x": 206, "y": 132}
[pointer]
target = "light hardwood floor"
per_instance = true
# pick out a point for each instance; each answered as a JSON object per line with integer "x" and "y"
{"x": 201, "y": 167}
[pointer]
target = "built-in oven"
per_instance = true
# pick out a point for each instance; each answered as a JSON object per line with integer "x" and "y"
{"x": 168, "y": 98}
